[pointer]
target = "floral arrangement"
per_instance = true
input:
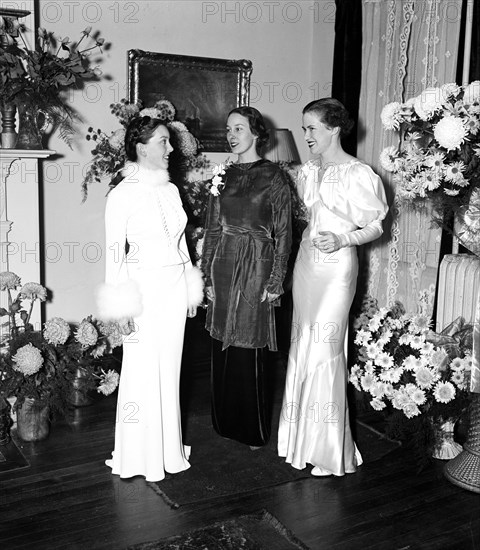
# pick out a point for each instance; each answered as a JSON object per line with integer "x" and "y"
{"x": 439, "y": 153}
{"x": 36, "y": 77}
{"x": 109, "y": 155}
{"x": 43, "y": 364}
{"x": 419, "y": 377}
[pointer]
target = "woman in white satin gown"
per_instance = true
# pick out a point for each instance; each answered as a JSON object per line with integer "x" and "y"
{"x": 156, "y": 285}
{"x": 346, "y": 203}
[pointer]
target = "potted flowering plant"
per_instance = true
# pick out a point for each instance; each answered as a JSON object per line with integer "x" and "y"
{"x": 419, "y": 378}
{"x": 33, "y": 80}
{"x": 40, "y": 367}
{"x": 438, "y": 158}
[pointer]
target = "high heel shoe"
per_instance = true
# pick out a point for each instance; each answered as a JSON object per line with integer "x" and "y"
{"x": 317, "y": 471}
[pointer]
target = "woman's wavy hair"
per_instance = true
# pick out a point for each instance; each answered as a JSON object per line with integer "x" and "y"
{"x": 332, "y": 113}
{"x": 256, "y": 123}
{"x": 140, "y": 130}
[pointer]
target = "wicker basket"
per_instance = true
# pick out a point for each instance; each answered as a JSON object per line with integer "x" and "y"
{"x": 464, "y": 470}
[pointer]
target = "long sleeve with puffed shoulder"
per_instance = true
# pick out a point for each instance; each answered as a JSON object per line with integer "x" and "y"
{"x": 366, "y": 205}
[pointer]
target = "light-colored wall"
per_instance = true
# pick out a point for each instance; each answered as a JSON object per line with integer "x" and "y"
{"x": 289, "y": 43}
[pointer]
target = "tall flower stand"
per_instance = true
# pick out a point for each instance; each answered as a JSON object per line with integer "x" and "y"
{"x": 464, "y": 470}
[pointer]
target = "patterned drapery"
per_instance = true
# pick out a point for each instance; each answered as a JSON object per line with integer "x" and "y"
{"x": 408, "y": 46}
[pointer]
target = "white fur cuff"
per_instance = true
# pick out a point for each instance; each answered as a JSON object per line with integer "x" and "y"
{"x": 118, "y": 301}
{"x": 194, "y": 286}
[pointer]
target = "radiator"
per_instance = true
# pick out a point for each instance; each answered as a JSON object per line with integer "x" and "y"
{"x": 458, "y": 289}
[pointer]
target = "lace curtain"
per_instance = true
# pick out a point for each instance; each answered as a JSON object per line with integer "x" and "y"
{"x": 407, "y": 46}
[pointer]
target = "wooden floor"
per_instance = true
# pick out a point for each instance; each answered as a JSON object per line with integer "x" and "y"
{"x": 68, "y": 499}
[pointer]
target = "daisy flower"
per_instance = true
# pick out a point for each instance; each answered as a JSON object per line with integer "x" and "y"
{"x": 425, "y": 377}
{"x": 454, "y": 171}
{"x": 444, "y": 392}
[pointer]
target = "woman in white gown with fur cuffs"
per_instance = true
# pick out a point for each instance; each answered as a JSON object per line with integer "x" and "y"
{"x": 346, "y": 202}
{"x": 156, "y": 285}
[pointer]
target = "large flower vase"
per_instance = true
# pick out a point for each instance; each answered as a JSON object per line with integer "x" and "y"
{"x": 79, "y": 395}
{"x": 33, "y": 420}
{"x": 464, "y": 470}
{"x": 445, "y": 447}
{"x": 29, "y": 129}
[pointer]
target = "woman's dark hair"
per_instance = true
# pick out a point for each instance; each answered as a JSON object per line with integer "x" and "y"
{"x": 140, "y": 130}
{"x": 332, "y": 113}
{"x": 256, "y": 123}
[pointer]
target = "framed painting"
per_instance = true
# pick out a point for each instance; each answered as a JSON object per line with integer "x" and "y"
{"x": 202, "y": 89}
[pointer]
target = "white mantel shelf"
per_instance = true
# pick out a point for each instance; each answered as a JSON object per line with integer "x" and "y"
{"x": 25, "y": 153}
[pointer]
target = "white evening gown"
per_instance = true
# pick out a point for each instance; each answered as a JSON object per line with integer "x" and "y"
{"x": 145, "y": 208}
{"x": 314, "y": 426}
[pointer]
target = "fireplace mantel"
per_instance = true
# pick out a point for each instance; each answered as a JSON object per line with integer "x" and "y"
{"x": 20, "y": 231}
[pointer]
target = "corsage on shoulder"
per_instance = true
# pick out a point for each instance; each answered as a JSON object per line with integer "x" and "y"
{"x": 217, "y": 182}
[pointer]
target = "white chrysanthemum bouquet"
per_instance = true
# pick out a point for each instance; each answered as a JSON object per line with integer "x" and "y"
{"x": 438, "y": 157}
{"x": 403, "y": 366}
{"x": 42, "y": 364}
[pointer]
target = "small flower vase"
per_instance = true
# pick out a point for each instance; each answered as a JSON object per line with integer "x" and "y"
{"x": 79, "y": 395}
{"x": 29, "y": 129}
{"x": 33, "y": 419}
{"x": 445, "y": 446}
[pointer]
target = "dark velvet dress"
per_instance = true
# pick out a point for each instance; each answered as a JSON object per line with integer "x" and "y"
{"x": 246, "y": 249}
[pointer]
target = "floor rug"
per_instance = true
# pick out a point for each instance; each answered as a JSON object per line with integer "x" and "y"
{"x": 260, "y": 531}
{"x": 221, "y": 467}
{"x": 11, "y": 458}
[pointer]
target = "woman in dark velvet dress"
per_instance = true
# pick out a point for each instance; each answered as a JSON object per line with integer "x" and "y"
{"x": 246, "y": 248}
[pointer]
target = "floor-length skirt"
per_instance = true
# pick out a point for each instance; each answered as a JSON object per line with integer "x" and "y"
{"x": 314, "y": 424}
{"x": 241, "y": 393}
{"x": 148, "y": 432}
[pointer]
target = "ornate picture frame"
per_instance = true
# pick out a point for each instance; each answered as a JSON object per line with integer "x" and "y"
{"x": 202, "y": 89}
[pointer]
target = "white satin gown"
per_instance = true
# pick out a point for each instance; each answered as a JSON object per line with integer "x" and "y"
{"x": 314, "y": 426}
{"x": 146, "y": 209}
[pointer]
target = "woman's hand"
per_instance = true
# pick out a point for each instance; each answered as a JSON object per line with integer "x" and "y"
{"x": 327, "y": 242}
{"x": 268, "y": 296}
{"x": 209, "y": 293}
{"x": 192, "y": 311}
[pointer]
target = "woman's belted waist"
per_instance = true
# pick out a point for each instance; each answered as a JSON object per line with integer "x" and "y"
{"x": 255, "y": 234}
{"x": 244, "y": 264}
